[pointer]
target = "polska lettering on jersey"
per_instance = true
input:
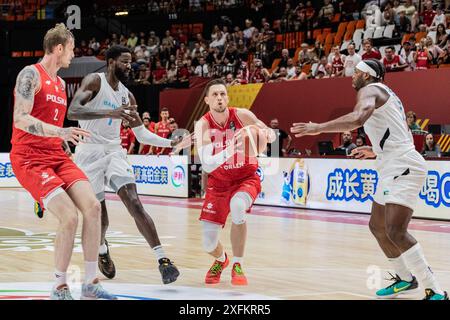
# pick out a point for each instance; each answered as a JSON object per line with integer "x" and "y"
{"x": 55, "y": 99}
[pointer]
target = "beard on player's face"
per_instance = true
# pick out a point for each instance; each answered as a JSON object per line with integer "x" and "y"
{"x": 122, "y": 75}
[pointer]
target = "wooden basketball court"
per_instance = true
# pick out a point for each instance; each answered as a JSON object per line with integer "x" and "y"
{"x": 290, "y": 253}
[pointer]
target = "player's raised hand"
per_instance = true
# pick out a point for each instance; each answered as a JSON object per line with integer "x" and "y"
{"x": 124, "y": 112}
{"x": 305, "y": 129}
{"x": 182, "y": 142}
{"x": 73, "y": 134}
{"x": 137, "y": 121}
{"x": 364, "y": 152}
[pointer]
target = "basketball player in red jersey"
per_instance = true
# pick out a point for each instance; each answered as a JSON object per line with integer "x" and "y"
{"x": 162, "y": 129}
{"x": 233, "y": 184}
{"x": 46, "y": 171}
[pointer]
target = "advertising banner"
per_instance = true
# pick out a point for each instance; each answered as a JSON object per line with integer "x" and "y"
{"x": 344, "y": 185}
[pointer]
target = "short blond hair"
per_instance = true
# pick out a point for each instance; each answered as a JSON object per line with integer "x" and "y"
{"x": 56, "y": 35}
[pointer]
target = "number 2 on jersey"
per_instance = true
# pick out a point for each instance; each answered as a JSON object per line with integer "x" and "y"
{"x": 56, "y": 115}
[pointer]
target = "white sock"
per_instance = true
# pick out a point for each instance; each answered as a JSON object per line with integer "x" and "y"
{"x": 416, "y": 262}
{"x": 222, "y": 258}
{"x": 401, "y": 269}
{"x": 60, "y": 278}
{"x": 159, "y": 251}
{"x": 238, "y": 260}
{"x": 103, "y": 249}
{"x": 90, "y": 269}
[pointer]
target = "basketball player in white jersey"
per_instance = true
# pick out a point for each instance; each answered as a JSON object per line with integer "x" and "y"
{"x": 100, "y": 104}
{"x": 402, "y": 172}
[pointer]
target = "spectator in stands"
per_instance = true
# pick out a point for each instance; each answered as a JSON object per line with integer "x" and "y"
{"x": 388, "y": 16}
{"x": 411, "y": 13}
{"x": 181, "y": 37}
{"x": 304, "y": 56}
{"x": 182, "y": 51}
{"x": 182, "y": 72}
{"x": 321, "y": 68}
{"x": 282, "y": 138}
{"x": 127, "y": 137}
{"x": 446, "y": 55}
{"x": 230, "y": 80}
{"x": 374, "y": 16}
{"x": 84, "y": 47}
{"x": 142, "y": 52}
{"x": 132, "y": 41}
{"x": 259, "y": 74}
{"x": 242, "y": 51}
{"x": 436, "y": 52}
{"x": 439, "y": 19}
{"x": 248, "y": 31}
{"x": 351, "y": 9}
{"x": 392, "y": 61}
{"x": 360, "y": 141}
{"x": 168, "y": 40}
{"x": 409, "y": 56}
{"x": 284, "y": 58}
{"x": 403, "y": 24}
{"x": 310, "y": 10}
{"x": 299, "y": 74}
{"x": 279, "y": 76}
{"x": 351, "y": 60}
{"x": 326, "y": 13}
{"x": 202, "y": 70}
{"x": 172, "y": 73}
{"x": 428, "y": 14}
{"x": 369, "y": 51}
{"x": 152, "y": 47}
{"x": 347, "y": 142}
{"x": 154, "y": 37}
{"x": 159, "y": 74}
{"x": 145, "y": 149}
{"x": 94, "y": 45}
{"x": 441, "y": 36}
{"x": 328, "y": 71}
{"x": 317, "y": 52}
{"x": 290, "y": 69}
{"x": 430, "y": 147}
{"x": 143, "y": 75}
{"x": 411, "y": 119}
{"x": 337, "y": 63}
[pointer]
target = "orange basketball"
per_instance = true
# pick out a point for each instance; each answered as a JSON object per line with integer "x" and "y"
{"x": 254, "y": 140}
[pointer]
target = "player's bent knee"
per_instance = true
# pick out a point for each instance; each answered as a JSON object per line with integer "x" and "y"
{"x": 239, "y": 204}
{"x": 377, "y": 230}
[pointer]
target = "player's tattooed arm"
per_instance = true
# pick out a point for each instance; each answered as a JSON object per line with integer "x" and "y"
{"x": 88, "y": 90}
{"x": 27, "y": 84}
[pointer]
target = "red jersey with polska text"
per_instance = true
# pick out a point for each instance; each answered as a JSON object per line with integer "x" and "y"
{"x": 240, "y": 166}
{"x": 50, "y": 106}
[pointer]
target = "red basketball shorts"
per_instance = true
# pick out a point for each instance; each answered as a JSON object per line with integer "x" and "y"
{"x": 216, "y": 206}
{"x": 42, "y": 171}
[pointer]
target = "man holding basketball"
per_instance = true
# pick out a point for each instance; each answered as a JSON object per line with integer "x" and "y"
{"x": 233, "y": 184}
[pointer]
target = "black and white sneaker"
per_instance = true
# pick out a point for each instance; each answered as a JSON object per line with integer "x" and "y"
{"x": 169, "y": 271}
{"x": 105, "y": 264}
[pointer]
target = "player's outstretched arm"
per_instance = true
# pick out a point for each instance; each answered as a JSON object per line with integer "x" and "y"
{"x": 89, "y": 88}
{"x": 27, "y": 84}
{"x": 205, "y": 148}
{"x": 365, "y": 106}
{"x": 248, "y": 118}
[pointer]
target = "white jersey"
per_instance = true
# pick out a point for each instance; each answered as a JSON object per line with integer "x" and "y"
{"x": 387, "y": 128}
{"x": 106, "y": 130}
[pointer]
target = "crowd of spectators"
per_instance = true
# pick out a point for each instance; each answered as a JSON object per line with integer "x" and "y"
{"x": 174, "y": 58}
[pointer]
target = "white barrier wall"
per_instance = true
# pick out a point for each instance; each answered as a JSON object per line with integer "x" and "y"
{"x": 344, "y": 185}
{"x": 159, "y": 176}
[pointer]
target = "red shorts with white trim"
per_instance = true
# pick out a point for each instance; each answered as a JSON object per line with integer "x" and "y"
{"x": 42, "y": 171}
{"x": 216, "y": 206}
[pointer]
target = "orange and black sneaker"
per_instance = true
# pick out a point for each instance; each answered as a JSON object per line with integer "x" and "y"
{"x": 214, "y": 273}
{"x": 238, "y": 277}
